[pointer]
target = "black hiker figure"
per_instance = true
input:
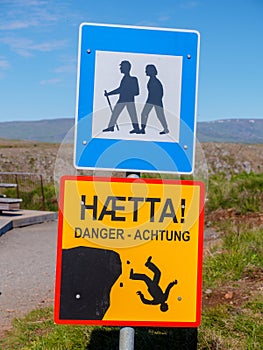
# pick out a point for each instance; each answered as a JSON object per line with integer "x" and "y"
{"x": 154, "y": 100}
{"x": 159, "y": 297}
{"x": 127, "y": 90}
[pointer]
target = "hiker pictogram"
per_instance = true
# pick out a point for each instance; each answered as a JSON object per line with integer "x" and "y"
{"x": 128, "y": 89}
{"x": 154, "y": 100}
{"x": 159, "y": 297}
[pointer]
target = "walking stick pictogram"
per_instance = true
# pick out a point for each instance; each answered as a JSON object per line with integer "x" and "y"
{"x": 107, "y": 97}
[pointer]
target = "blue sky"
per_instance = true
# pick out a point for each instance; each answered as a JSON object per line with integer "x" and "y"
{"x": 39, "y": 43}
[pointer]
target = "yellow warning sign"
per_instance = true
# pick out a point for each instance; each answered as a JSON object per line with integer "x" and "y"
{"x": 129, "y": 252}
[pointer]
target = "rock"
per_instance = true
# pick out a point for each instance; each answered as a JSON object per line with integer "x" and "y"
{"x": 208, "y": 291}
{"x": 87, "y": 276}
{"x": 229, "y": 295}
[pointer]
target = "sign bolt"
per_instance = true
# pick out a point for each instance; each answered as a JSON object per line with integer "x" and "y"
{"x": 185, "y": 147}
{"x": 88, "y": 51}
{"x": 179, "y": 298}
{"x": 188, "y": 56}
{"x": 84, "y": 142}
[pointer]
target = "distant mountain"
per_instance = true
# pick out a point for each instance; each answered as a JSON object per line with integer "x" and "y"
{"x": 49, "y": 130}
{"x": 54, "y": 130}
{"x": 231, "y": 130}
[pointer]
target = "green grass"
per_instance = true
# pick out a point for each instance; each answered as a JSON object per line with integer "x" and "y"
{"x": 228, "y": 327}
{"x": 239, "y": 255}
{"x": 244, "y": 192}
{"x": 33, "y": 198}
{"x": 37, "y": 331}
{"x": 223, "y": 327}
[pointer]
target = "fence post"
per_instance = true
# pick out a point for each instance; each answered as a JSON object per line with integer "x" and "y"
{"x": 43, "y": 194}
{"x": 17, "y": 187}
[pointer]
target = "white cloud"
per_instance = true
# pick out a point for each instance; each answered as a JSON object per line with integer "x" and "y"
{"x": 26, "y": 47}
{"x": 4, "y": 64}
{"x": 68, "y": 65}
{"x": 13, "y": 25}
{"x": 22, "y": 14}
{"x": 49, "y": 46}
{"x": 164, "y": 18}
{"x": 50, "y": 81}
{"x": 24, "y": 2}
{"x": 190, "y": 4}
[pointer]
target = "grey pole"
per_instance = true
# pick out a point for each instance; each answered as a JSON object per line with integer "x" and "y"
{"x": 126, "y": 340}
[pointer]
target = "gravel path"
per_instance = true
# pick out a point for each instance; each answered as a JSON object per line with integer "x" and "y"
{"x": 27, "y": 270}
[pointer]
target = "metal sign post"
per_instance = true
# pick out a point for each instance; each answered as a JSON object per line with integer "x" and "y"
{"x": 126, "y": 339}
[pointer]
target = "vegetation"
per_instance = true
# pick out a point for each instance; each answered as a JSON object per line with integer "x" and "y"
{"x": 36, "y": 198}
{"x": 223, "y": 327}
{"x": 235, "y": 263}
{"x": 243, "y": 191}
{"x": 37, "y": 331}
{"x": 229, "y": 327}
{"x": 239, "y": 255}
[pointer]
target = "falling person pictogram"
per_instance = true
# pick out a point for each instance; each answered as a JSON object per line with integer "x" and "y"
{"x": 159, "y": 297}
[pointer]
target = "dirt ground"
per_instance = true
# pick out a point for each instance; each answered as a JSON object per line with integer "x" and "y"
{"x": 238, "y": 292}
{"x": 54, "y": 160}
{"x": 235, "y": 293}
